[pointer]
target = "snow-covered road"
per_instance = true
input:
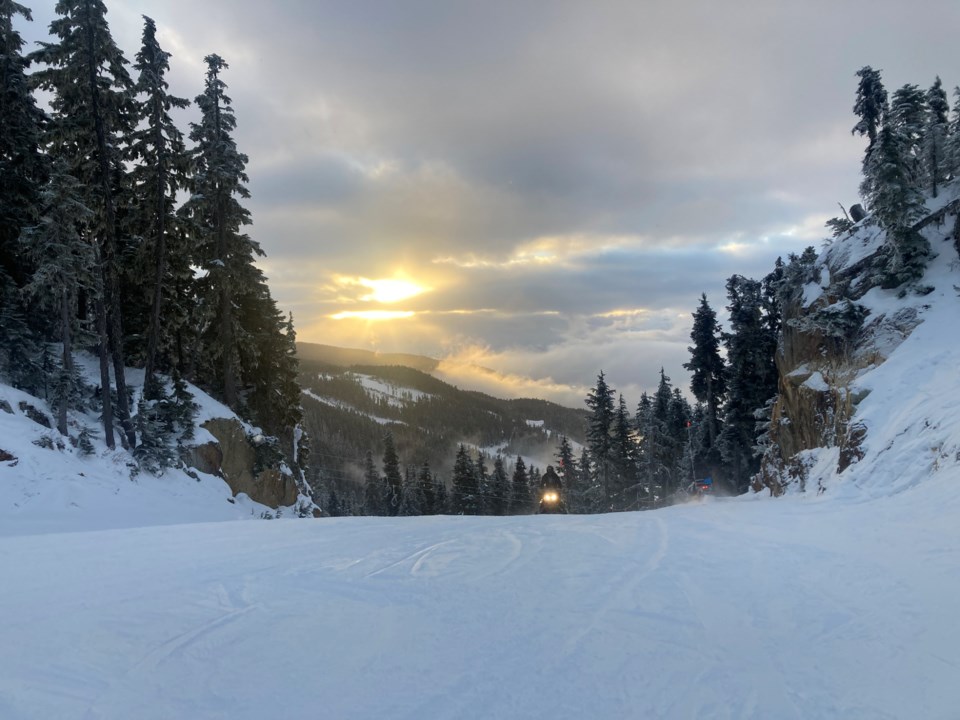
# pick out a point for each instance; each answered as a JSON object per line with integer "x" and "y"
{"x": 726, "y": 609}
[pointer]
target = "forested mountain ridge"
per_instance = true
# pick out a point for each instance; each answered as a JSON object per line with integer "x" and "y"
{"x": 348, "y": 411}
{"x": 345, "y": 357}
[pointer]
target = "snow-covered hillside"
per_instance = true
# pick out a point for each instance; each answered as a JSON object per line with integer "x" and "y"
{"x": 900, "y": 376}
{"x": 48, "y": 485}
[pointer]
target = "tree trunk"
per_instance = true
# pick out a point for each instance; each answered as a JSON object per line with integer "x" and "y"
{"x": 111, "y": 300}
{"x": 64, "y": 399}
{"x": 226, "y": 299}
{"x": 104, "y": 373}
{"x": 160, "y": 257}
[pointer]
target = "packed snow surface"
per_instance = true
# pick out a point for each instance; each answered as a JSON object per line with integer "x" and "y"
{"x": 744, "y": 608}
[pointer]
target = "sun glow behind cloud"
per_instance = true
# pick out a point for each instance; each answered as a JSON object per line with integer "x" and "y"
{"x": 382, "y": 290}
{"x": 373, "y": 315}
{"x": 390, "y": 291}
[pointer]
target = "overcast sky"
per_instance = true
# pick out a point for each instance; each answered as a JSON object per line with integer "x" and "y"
{"x": 549, "y": 185}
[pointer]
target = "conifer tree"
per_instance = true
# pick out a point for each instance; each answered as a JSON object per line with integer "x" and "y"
{"x": 271, "y": 366}
{"x": 623, "y": 453}
{"x": 569, "y": 475}
{"x": 215, "y": 219}
{"x": 663, "y": 438}
{"x": 591, "y": 492}
{"x": 92, "y": 103}
{"x": 483, "y": 485}
{"x": 391, "y": 475}
{"x": 464, "y": 496}
{"x": 533, "y": 483}
{"x": 870, "y": 105}
{"x": 935, "y": 164}
{"x": 373, "y": 496}
{"x": 908, "y": 115}
{"x": 23, "y": 167}
{"x": 64, "y": 267}
{"x": 679, "y": 424}
{"x": 411, "y": 503}
{"x": 896, "y": 202}
{"x": 520, "y": 500}
{"x": 708, "y": 379}
{"x": 599, "y": 426}
{"x": 953, "y": 138}
{"x": 159, "y": 173}
{"x": 334, "y": 508}
{"x": 752, "y": 376}
{"x": 428, "y": 490}
{"x": 499, "y": 500}
{"x": 442, "y": 499}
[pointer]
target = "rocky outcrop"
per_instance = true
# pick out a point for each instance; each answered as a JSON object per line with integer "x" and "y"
{"x": 830, "y": 337}
{"x": 234, "y": 457}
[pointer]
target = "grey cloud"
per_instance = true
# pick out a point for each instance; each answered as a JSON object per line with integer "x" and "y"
{"x": 688, "y": 124}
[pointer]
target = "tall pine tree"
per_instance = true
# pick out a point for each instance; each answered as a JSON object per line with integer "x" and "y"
{"x": 160, "y": 171}
{"x": 599, "y": 432}
{"x": 23, "y": 169}
{"x": 520, "y": 501}
{"x": 92, "y": 100}
{"x": 464, "y": 497}
{"x": 64, "y": 267}
{"x": 215, "y": 220}
{"x": 708, "y": 381}
{"x": 391, "y": 475}
{"x": 935, "y": 163}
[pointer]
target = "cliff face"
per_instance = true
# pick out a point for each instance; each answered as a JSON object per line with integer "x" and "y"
{"x": 838, "y": 326}
{"x": 234, "y": 457}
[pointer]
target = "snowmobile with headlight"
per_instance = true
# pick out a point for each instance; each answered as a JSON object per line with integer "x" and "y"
{"x": 551, "y": 493}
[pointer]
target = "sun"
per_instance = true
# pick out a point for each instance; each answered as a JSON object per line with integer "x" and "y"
{"x": 390, "y": 291}
{"x": 373, "y": 315}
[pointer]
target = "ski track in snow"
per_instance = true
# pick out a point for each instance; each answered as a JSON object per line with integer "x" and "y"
{"x": 801, "y": 608}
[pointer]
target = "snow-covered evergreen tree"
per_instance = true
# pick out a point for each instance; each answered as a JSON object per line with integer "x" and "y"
{"x": 520, "y": 501}
{"x": 411, "y": 502}
{"x": 483, "y": 485}
{"x": 23, "y": 169}
{"x": 752, "y": 376}
{"x": 953, "y": 138}
{"x": 599, "y": 432}
{"x": 623, "y": 458}
{"x": 908, "y": 119}
{"x": 373, "y": 495}
{"x": 708, "y": 381}
{"x": 428, "y": 490}
{"x": 935, "y": 164}
{"x": 591, "y": 493}
{"x": 393, "y": 480}
{"x": 215, "y": 220}
{"x": 64, "y": 266}
{"x": 464, "y": 496}
{"x": 569, "y": 474}
{"x": 893, "y": 195}
{"x": 442, "y": 506}
{"x": 499, "y": 499}
{"x": 159, "y": 172}
{"x": 92, "y": 102}
{"x": 870, "y": 105}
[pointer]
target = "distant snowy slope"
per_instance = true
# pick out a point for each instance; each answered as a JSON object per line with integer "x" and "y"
{"x": 796, "y": 609}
